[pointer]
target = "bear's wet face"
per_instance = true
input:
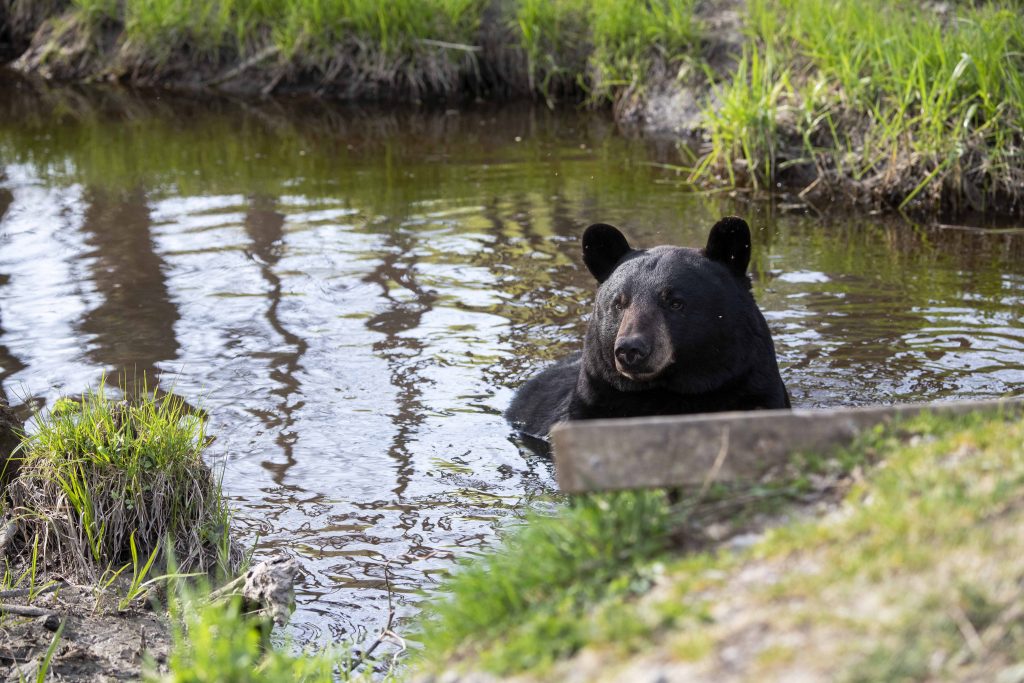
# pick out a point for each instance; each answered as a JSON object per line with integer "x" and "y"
{"x": 668, "y": 314}
{"x": 674, "y": 331}
{"x": 662, "y": 309}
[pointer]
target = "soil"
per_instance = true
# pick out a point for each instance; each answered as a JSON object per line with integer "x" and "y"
{"x": 673, "y": 103}
{"x": 98, "y": 643}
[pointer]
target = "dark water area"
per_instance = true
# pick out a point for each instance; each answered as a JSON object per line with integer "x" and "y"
{"x": 352, "y": 297}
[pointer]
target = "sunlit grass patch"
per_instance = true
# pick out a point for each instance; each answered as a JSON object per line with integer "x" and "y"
{"x": 912, "y": 574}
{"x": 105, "y": 483}
{"x": 937, "y": 486}
{"x": 917, "y": 575}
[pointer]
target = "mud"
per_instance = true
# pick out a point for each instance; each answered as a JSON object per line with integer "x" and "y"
{"x": 98, "y": 642}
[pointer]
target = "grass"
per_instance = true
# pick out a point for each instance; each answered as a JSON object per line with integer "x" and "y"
{"x": 879, "y": 99}
{"x": 525, "y": 604}
{"x": 916, "y": 575}
{"x": 603, "y": 47}
{"x": 402, "y": 49}
{"x": 104, "y": 481}
{"x": 216, "y": 643}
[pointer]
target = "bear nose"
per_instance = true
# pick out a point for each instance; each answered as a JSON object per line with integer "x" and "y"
{"x": 631, "y": 352}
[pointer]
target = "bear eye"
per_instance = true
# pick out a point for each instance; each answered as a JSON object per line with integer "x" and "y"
{"x": 675, "y": 304}
{"x": 620, "y": 302}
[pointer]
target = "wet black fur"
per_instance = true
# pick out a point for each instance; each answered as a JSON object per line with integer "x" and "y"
{"x": 724, "y": 358}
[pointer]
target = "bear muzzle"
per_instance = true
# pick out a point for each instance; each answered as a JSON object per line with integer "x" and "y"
{"x": 636, "y": 358}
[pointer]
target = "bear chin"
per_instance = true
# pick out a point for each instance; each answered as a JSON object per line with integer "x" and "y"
{"x": 641, "y": 376}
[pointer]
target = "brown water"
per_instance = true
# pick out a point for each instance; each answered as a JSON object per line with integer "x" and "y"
{"x": 353, "y": 295}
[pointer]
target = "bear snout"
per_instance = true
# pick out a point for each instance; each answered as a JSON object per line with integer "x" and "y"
{"x": 631, "y": 353}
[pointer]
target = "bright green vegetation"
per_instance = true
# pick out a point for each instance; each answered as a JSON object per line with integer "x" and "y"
{"x": 216, "y": 643}
{"x": 915, "y": 576}
{"x": 108, "y": 485}
{"x": 879, "y": 99}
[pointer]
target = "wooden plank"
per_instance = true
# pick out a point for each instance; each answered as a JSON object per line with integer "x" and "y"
{"x": 657, "y": 452}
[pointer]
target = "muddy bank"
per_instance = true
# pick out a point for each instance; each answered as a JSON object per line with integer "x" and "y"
{"x": 96, "y": 642}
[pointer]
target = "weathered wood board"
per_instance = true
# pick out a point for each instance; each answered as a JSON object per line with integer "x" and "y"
{"x": 655, "y": 452}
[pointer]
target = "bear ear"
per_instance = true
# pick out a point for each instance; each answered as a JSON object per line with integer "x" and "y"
{"x": 729, "y": 244}
{"x": 603, "y": 248}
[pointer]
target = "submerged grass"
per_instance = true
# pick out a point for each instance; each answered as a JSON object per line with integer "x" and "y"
{"x": 106, "y": 483}
{"x": 878, "y": 99}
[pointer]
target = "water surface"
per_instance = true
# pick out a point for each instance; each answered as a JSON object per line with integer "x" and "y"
{"x": 353, "y": 295}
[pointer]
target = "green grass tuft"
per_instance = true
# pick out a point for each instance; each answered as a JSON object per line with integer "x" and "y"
{"x": 525, "y": 604}
{"x": 218, "y": 643}
{"x": 104, "y": 481}
{"x": 601, "y": 46}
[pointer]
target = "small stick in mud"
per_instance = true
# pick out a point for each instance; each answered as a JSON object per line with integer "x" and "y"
{"x": 21, "y": 592}
{"x": 26, "y": 611}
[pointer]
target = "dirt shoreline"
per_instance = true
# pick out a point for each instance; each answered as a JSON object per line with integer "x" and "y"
{"x": 97, "y": 643}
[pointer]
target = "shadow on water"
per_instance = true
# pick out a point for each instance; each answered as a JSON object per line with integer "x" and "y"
{"x": 352, "y": 296}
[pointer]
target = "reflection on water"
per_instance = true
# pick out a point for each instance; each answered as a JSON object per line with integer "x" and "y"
{"x": 129, "y": 325}
{"x": 352, "y": 297}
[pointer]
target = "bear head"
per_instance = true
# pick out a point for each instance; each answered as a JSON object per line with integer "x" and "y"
{"x": 669, "y": 317}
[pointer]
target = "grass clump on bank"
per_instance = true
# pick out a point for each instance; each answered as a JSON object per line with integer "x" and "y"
{"x": 914, "y": 575}
{"x": 603, "y": 47}
{"x": 105, "y": 483}
{"x": 361, "y": 49}
{"x": 877, "y": 100}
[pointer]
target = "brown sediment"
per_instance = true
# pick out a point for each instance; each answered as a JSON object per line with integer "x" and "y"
{"x": 97, "y": 643}
{"x": 20, "y": 19}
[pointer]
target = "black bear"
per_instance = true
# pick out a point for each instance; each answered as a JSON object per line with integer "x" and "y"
{"x": 674, "y": 330}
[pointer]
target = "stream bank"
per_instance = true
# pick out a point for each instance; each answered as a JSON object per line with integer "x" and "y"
{"x": 908, "y": 105}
